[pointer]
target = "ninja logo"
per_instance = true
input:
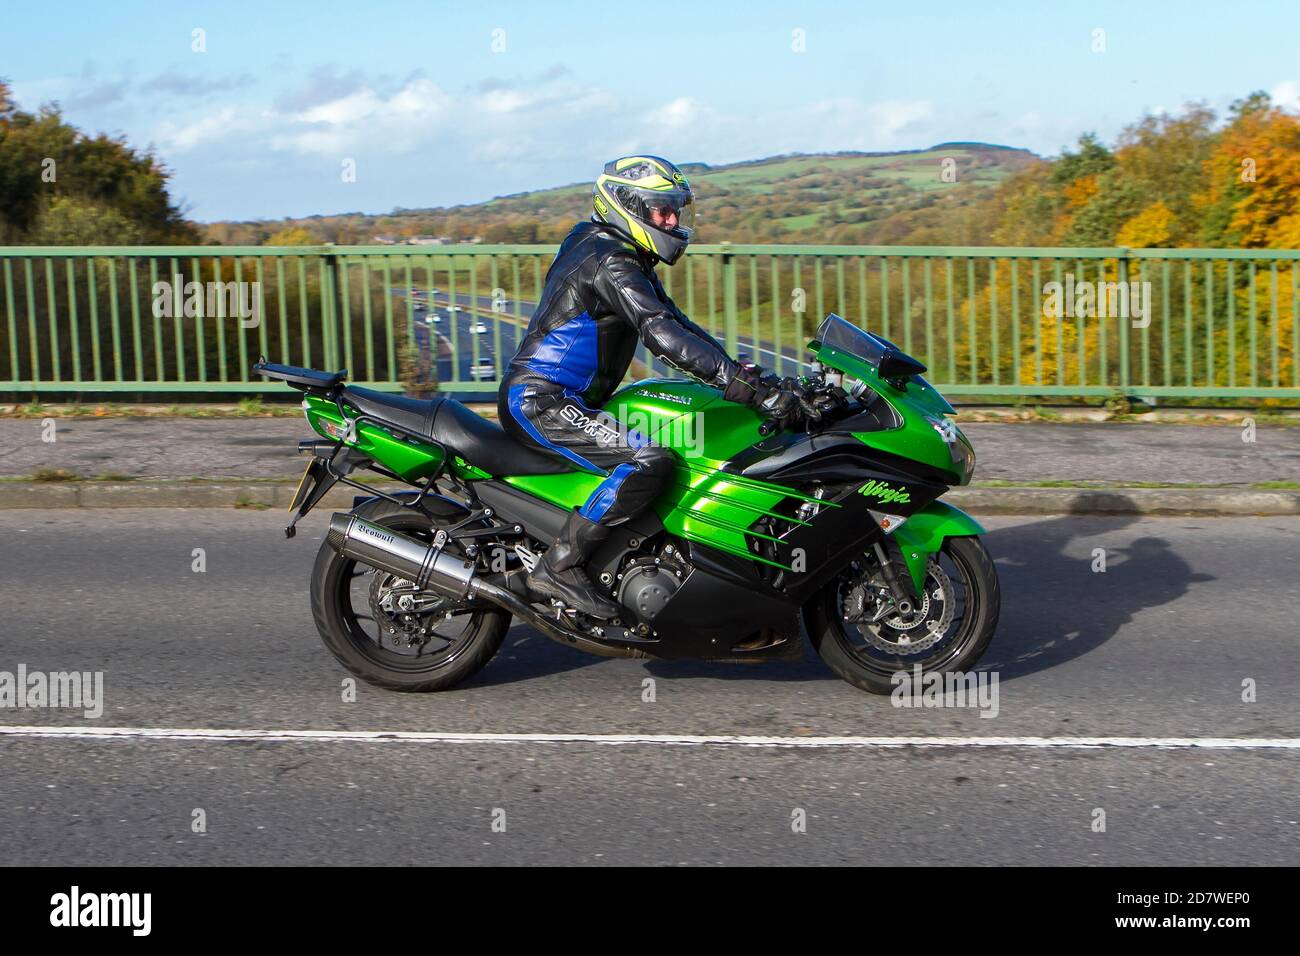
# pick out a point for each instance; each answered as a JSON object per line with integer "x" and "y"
{"x": 885, "y": 492}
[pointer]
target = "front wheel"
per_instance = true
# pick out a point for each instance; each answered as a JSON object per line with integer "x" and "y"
{"x": 863, "y": 636}
{"x": 389, "y": 633}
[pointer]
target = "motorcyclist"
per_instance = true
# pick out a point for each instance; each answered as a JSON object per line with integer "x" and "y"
{"x": 601, "y": 296}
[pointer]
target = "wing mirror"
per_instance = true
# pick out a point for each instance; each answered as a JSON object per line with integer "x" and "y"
{"x": 896, "y": 367}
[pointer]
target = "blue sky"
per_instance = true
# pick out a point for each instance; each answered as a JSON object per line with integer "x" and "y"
{"x": 435, "y": 106}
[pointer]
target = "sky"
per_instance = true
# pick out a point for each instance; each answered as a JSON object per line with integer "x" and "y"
{"x": 284, "y": 108}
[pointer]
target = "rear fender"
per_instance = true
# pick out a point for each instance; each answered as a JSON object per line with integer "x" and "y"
{"x": 922, "y": 535}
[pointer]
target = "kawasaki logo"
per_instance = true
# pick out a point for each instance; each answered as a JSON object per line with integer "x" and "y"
{"x": 885, "y": 492}
{"x": 664, "y": 396}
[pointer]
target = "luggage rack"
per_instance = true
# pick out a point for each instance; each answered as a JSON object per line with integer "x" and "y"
{"x": 342, "y": 461}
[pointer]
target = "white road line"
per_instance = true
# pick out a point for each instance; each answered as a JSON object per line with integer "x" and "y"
{"x": 669, "y": 740}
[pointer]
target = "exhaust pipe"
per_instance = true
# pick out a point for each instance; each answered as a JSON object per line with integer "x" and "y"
{"x": 429, "y": 567}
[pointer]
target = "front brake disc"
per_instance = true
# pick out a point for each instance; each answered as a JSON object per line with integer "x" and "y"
{"x": 920, "y": 630}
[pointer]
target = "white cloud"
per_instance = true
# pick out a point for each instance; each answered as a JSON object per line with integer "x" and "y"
{"x": 182, "y": 136}
{"x": 1287, "y": 95}
{"x": 421, "y": 144}
{"x": 695, "y": 130}
{"x": 362, "y": 119}
{"x": 345, "y": 109}
{"x": 505, "y": 101}
{"x": 679, "y": 113}
{"x": 894, "y": 117}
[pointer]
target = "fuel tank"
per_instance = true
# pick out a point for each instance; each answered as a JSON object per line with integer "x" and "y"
{"x": 688, "y": 417}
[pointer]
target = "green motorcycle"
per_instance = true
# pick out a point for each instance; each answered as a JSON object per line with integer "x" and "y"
{"x": 838, "y": 526}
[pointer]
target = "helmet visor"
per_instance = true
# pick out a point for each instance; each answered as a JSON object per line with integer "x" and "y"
{"x": 671, "y": 211}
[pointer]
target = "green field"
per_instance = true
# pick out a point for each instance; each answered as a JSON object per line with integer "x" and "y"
{"x": 839, "y": 197}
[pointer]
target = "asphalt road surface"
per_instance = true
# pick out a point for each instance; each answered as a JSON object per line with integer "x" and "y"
{"x": 1156, "y": 647}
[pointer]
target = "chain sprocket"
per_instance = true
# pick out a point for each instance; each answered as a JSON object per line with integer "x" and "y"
{"x": 403, "y": 611}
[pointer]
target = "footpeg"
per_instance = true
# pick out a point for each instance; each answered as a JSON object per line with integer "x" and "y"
{"x": 526, "y": 557}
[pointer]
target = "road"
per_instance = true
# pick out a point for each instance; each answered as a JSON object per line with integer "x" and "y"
{"x": 462, "y": 353}
{"x": 1157, "y": 646}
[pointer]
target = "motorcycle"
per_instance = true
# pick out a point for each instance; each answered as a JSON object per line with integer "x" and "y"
{"x": 836, "y": 525}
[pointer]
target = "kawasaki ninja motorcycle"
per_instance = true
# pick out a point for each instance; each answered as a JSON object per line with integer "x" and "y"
{"x": 837, "y": 525}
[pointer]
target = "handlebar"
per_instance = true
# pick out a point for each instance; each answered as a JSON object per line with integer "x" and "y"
{"x": 830, "y": 401}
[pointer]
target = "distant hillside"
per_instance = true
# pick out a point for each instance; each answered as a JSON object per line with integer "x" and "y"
{"x": 827, "y": 198}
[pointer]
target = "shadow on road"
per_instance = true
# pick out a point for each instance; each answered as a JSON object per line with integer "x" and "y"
{"x": 1056, "y": 606}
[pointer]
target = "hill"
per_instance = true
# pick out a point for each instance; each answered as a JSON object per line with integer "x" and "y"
{"x": 821, "y": 198}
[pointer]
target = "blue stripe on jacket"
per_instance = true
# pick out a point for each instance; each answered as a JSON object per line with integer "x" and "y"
{"x": 567, "y": 354}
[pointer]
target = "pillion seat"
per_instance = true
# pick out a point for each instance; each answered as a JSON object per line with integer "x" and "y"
{"x": 481, "y": 442}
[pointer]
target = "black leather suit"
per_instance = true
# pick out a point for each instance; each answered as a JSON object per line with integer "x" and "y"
{"x": 601, "y": 296}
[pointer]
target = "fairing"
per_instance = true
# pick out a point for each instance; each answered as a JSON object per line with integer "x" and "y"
{"x": 730, "y": 478}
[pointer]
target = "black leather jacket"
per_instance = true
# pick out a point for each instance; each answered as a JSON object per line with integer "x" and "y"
{"x": 601, "y": 295}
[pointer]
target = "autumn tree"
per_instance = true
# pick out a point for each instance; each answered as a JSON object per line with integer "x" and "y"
{"x": 60, "y": 185}
{"x": 1251, "y": 195}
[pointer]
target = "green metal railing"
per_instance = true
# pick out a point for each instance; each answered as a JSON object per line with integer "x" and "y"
{"x": 1218, "y": 324}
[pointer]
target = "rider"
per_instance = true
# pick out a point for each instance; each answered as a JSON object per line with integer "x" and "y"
{"x": 601, "y": 295}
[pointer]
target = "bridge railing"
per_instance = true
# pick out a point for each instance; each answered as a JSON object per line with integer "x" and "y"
{"x": 987, "y": 321}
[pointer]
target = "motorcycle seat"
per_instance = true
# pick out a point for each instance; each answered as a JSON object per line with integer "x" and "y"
{"x": 481, "y": 442}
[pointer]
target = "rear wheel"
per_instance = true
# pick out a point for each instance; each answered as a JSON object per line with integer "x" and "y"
{"x": 389, "y": 633}
{"x": 866, "y": 638}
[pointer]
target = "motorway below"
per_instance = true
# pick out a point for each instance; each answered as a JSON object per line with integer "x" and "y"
{"x": 1156, "y": 646}
{"x": 460, "y": 354}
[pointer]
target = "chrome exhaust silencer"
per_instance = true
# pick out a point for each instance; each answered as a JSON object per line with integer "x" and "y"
{"x": 430, "y": 567}
{"x": 426, "y": 566}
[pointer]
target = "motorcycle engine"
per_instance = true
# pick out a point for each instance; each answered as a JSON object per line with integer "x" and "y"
{"x": 645, "y": 587}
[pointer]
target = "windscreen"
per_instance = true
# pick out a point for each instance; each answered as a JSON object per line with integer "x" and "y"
{"x": 847, "y": 337}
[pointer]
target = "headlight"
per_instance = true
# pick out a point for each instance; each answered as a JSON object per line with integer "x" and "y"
{"x": 967, "y": 458}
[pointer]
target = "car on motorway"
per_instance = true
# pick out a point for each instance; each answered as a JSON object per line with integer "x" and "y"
{"x": 479, "y": 328}
{"x": 483, "y": 368}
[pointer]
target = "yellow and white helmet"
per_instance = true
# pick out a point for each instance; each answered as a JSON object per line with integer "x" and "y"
{"x": 649, "y": 201}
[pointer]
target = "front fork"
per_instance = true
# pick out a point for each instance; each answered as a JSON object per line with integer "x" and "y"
{"x": 902, "y": 593}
